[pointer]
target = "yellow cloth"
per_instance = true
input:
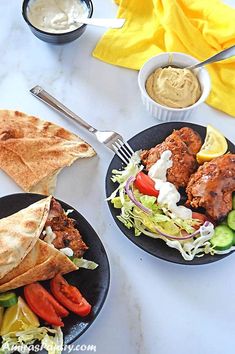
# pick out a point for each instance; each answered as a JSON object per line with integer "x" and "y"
{"x": 197, "y": 27}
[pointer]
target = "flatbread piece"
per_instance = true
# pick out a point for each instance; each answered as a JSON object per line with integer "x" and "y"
{"x": 33, "y": 151}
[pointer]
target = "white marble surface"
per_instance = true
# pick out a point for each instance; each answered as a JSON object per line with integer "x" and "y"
{"x": 153, "y": 307}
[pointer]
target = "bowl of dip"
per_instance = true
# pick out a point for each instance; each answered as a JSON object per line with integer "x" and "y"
{"x": 168, "y": 90}
{"x": 54, "y": 21}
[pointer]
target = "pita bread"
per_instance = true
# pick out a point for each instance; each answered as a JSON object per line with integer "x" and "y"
{"x": 19, "y": 233}
{"x": 33, "y": 151}
{"x": 41, "y": 263}
{"x": 24, "y": 257}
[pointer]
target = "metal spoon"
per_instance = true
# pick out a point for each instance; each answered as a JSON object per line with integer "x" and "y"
{"x": 102, "y": 22}
{"x": 225, "y": 54}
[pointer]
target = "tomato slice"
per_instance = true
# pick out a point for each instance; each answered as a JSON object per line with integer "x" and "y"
{"x": 69, "y": 296}
{"x": 145, "y": 184}
{"x": 201, "y": 217}
{"x": 44, "y": 305}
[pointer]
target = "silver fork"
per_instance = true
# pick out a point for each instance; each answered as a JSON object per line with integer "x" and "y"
{"x": 110, "y": 139}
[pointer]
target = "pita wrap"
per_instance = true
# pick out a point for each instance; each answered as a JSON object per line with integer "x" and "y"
{"x": 24, "y": 257}
{"x": 33, "y": 151}
{"x": 41, "y": 263}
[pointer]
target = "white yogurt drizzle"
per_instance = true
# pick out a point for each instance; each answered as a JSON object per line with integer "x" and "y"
{"x": 168, "y": 194}
{"x": 67, "y": 251}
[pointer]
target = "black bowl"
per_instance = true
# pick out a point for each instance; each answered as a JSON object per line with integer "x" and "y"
{"x": 57, "y": 38}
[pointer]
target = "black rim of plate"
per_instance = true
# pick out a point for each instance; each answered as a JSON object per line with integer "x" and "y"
{"x": 93, "y": 284}
{"x": 145, "y": 140}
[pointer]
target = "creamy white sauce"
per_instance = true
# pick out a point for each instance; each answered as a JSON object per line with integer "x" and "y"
{"x": 69, "y": 211}
{"x": 50, "y": 236}
{"x": 67, "y": 251}
{"x": 168, "y": 194}
{"x": 56, "y": 16}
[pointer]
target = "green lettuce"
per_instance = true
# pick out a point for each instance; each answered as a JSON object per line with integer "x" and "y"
{"x": 84, "y": 263}
{"x": 158, "y": 217}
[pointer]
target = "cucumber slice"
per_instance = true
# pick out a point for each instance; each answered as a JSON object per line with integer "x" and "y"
{"x": 222, "y": 238}
{"x": 233, "y": 238}
{"x": 8, "y": 299}
{"x": 231, "y": 219}
{"x": 234, "y": 201}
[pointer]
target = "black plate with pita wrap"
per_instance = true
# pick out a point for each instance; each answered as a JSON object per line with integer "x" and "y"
{"x": 146, "y": 140}
{"x": 93, "y": 284}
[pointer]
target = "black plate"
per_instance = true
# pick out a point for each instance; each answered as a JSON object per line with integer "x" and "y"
{"x": 93, "y": 284}
{"x": 145, "y": 140}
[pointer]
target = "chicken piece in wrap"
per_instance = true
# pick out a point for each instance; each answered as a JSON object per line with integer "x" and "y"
{"x": 34, "y": 243}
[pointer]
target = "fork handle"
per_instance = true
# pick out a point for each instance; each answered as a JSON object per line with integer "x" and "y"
{"x": 44, "y": 96}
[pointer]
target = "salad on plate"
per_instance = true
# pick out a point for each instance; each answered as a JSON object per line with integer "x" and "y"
{"x": 182, "y": 192}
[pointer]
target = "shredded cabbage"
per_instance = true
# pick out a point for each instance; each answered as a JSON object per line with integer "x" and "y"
{"x": 160, "y": 217}
{"x": 195, "y": 246}
{"x": 84, "y": 263}
{"x": 51, "y": 339}
{"x": 121, "y": 176}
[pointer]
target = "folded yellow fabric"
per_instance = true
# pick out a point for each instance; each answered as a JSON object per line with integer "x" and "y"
{"x": 196, "y": 27}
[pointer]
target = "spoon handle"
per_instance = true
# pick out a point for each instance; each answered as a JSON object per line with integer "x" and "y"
{"x": 103, "y": 22}
{"x": 225, "y": 54}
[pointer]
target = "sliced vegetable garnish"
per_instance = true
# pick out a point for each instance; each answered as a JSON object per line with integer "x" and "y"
{"x": 233, "y": 238}
{"x": 84, "y": 263}
{"x": 222, "y": 238}
{"x": 8, "y": 299}
{"x": 185, "y": 236}
{"x": 51, "y": 340}
{"x": 44, "y": 304}
{"x": 199, "y": 216}
{"x": 69, "y": 296}
{"x": 233, "y": 201}
{"x": 142, "y": 212}
{"x": 145, "y": 184}
{"x": 148, "y": 211}
{"x": 215, "y": 145}
{"x": 130, "y": 194}
{"x": 231, "y": 219}
{"x": 18, "y": 317}
{"x": 201, "y": 219}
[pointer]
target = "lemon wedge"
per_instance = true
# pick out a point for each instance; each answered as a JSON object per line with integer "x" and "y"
{"x": 215, "y": 145}
{"x": 18, "y": 317}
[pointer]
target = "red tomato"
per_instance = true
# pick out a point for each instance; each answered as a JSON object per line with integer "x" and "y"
{"x": 44, "y": 305}
{"x": 145, "y": 184}
{"x": 201, "y": 217}
{"x": 69, "y": 296}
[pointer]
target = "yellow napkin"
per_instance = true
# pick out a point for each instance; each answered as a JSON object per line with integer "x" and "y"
{"x": 197, "y": 27}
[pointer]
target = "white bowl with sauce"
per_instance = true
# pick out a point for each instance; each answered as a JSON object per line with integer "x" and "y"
{"x": 179, "y": 60}
{"x": 52, "y": 23}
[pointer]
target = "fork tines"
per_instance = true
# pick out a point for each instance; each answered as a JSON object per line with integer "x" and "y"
{"x": 123, "y": 150}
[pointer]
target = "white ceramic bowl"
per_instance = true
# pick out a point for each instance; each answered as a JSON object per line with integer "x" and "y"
{"x": 164, "y": 113}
